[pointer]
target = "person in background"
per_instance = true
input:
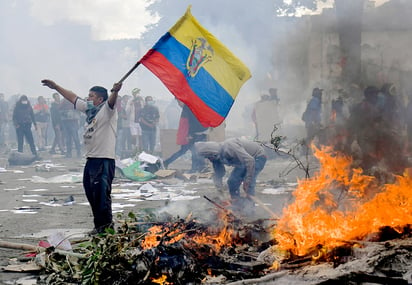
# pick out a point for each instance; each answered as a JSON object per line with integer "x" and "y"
{"x": 124, "y": 139}
{"x": 312, "y": 116}
{"x": 23, "y": 118}
{"x": 172, "y": 114}
{"x": 336, "y": 130}
{"x": 4, "y": 118}
{"x": 134, "y": 109}
{"x": 247, "y": 158}
{"x": 56, "y": 121}
{"x": 391, "y": 127}
{"x": 189, "y": 132}
{"x": 363, "y": 125}
{"x": 100, "y": 142}
{"x": 70, "y": 127}
{"x": 263, "y": 98}
{"x": 42, "y": 117}
{"x": 149, "y": 118}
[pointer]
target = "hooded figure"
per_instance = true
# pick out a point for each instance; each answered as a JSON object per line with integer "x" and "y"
{"x": 211, "y": 151}
{"x": 246, "y": 157}
{"x": 23, "y": 118}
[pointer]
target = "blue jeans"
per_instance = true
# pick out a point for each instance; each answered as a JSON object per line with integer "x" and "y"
{"x": 238, "y": 176}
{"x": 198, "y": 161}
{"x": 98, "y": 175}
{"x": 183, "y": 149}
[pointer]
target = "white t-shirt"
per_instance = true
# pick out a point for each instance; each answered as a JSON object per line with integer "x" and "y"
{"x": 100, "y": 135}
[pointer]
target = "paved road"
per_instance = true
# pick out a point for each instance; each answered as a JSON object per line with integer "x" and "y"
{"x": 32, "y": 199}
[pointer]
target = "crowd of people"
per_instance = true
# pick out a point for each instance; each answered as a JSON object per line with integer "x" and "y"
{"x": 42, "y": 125}
{"x": 54, "y": 125}
{"x": 375, "y": 129}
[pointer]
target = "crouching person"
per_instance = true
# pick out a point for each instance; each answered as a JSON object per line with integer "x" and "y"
{"x": 247, "y": 159}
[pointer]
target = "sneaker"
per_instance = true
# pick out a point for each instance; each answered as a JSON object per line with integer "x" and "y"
{"x": 102, "y": 229}
{"x": 93, "y": 232}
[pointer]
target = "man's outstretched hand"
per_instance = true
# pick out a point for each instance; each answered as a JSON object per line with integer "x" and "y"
{"x": 49, "y": 83}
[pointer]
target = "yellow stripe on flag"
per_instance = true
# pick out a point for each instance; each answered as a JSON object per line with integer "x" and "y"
{"x": 223, "y": 66}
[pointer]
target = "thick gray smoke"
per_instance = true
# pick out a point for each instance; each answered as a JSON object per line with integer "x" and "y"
{"x": 71, "y": 42}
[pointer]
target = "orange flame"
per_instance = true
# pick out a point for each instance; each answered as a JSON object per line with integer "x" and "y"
{"x": 161, "y": 280}
{"x": 157, "y": 233}
{"x": 222, "y": 237}
{"x": 217, "y": 237}
{"x": 340, "y": 204}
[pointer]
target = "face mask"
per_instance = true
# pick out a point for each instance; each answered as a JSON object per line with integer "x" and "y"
{"x": 24, "y": 102}
{"x": 150, "y": 102}
{"x": 90, "y": 105}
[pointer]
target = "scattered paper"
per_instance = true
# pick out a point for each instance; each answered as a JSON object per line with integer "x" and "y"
{"x": 148, "y": 158}
{"x": 276, "y": 191}
{"x": 58, "y": 240}
{"x": 14, "y": 189}
{"x": 65, "y": 178}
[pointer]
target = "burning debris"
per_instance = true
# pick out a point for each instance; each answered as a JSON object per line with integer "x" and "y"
{"x": 342, "y": 226}
{"x": 174, "y": 251}
{"x": 341, "y": 204}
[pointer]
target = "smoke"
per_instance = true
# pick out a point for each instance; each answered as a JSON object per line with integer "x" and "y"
{"x": 69, "y": 42}
{"x": 84, "y": 43}
{"x": 81, "y": 43}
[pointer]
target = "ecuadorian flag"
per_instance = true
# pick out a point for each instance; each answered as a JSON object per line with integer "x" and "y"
{"x": 198, "y": 70}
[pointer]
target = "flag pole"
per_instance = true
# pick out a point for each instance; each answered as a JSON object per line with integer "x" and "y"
{"x": 129, "y": 72}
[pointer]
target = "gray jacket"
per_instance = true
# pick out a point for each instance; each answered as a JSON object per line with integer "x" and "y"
{"x": 236, "y": 152}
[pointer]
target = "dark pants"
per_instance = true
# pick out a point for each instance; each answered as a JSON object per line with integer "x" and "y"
{"x": 183, "y": 149}
{"x": 238, "y": 175}
{"x": 149, "y": 140}
{"x": 198, "y": 161}
{"x": 97, "y": 182}
{"x": 58, "y": 139}
{"x": 71, "y": 135}
{"x": 124, "y": 140}
{"x": 24, "y": 131}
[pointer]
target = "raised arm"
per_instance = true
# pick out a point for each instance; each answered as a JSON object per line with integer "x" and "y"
{"x": 69, "y": 95}
{"x": 114, "y": 94}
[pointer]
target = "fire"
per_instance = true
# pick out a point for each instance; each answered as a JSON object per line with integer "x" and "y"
{"x": 222, "y": 237}
{"x": 152, "y": 239}
{"x": 217, "y": 241}
{"x": 341, "y": 204}
{"x": 217, "y": 237}
{"x": 156, "y": 234}
{"x": 161, "y": 280}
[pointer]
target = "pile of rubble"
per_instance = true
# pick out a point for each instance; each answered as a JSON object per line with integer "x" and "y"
{"x": 144, "y": 250}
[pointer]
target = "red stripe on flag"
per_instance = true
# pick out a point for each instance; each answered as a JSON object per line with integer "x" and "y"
{"x": 176, "y": 82}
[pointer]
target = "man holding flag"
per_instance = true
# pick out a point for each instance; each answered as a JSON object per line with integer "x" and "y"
{"x": 99, "y": 140}
{"x": 198, "y": 70}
